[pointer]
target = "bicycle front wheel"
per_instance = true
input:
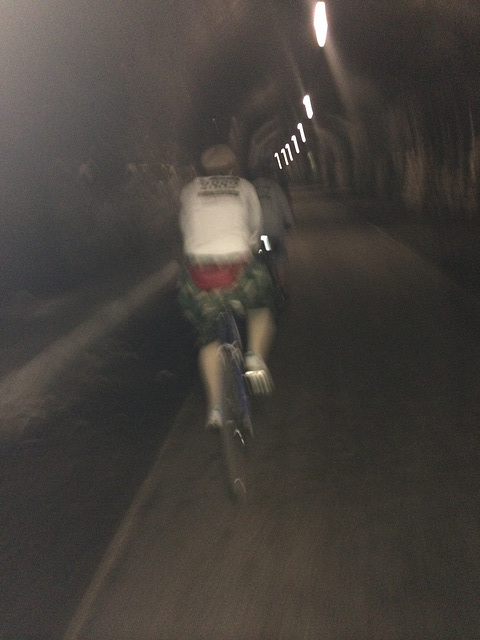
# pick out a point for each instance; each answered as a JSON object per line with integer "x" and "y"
{"x": 232, "y": 433}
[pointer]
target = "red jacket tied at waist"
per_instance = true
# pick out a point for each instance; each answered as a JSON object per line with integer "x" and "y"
{"x": 215, "y": 276}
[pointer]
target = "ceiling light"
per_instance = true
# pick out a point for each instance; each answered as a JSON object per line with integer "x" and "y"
{"x": 302, "y": 133}
{"x": 320, "y": 23}
{"x": 308, "y": 107}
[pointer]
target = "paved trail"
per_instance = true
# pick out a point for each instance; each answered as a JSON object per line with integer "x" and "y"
{"x": 362, "y": 515}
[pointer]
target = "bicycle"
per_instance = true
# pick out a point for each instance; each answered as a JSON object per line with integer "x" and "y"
{"x": 235, "y": 407}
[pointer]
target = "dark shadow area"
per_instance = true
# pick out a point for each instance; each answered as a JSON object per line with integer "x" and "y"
{"x": 67, "y": 484}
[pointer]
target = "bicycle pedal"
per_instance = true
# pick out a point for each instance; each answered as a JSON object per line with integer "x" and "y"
{"x": 260, "y": 382}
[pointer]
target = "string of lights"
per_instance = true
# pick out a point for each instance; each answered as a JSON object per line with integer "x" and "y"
{"x": 321, "y": 28}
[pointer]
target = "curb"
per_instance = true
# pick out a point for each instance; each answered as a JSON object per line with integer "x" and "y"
{"x": 24, "y": 388}
{"x": 126, "y": 529}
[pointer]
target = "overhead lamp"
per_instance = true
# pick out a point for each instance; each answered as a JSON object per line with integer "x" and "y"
{"x": 308, "y": 106}
{"x": 278, "y": 160}
{"x": 287, "y": 147}
{"x": 320, "y": 23}
{"x": 285, "y": 157}
{"x": 295, "y": 143}
{"x": 302, "y": 133}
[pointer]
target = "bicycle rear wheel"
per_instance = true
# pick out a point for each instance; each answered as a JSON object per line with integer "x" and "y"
{"x": 232, "y": 431}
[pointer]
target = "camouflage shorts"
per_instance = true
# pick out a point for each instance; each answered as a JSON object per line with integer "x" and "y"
{"x": 253, "y": 290}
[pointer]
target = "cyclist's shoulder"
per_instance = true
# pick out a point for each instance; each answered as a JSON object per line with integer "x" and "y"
{"x": 190, "y": 187}
{"x": 246, "y": 184}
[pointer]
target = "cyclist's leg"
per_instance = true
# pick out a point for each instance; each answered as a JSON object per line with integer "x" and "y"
{"x": 260, "y": 331}
{"x": 201, "y": 309}
{"x": 258, "y": 300}
{"x": 210, "y": 374}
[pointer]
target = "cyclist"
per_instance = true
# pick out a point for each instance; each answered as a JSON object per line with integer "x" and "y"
{"x": 277, "y": 217}
{"x": 220, "y": 221}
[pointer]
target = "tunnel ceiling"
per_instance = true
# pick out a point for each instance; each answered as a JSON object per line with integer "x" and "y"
{"x": 259, "y": 59}
{"x": 75, "y": 71}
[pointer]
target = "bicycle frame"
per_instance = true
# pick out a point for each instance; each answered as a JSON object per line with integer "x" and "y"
{"x": 230, "y": 339}
{"x": 235, "y": 404}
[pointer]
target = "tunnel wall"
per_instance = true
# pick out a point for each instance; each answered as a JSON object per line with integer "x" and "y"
{"x": 425, "y": 160}
{"x": 87, "y": 219}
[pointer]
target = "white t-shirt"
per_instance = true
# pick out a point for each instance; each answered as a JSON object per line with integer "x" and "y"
{"x": 220, "y": 217}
